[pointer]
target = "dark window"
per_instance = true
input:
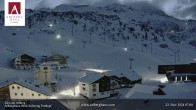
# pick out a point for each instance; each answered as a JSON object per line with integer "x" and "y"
{"x": 84, "y": 88}
{"x": 15, "y": 94}
{"x": 94, "y": 90}
{"x": 102, "y": 93}
{"x": 21, "y": 94}
{"x": 83, "y": 84}
{"x": 45, "y": 68}
{"x": 32, "y": 94}
{"x": 94, "y": 94}
{"x": 39, "y": 94}
{"x": 94, "y": 85}
{"x": 12, "y": 87}
{"x": 18, "y": 87}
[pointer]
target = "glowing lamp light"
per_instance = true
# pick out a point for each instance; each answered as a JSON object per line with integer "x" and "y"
{"x": 70, "y": 42}
{"x": 125, "y": 49}
{"x": 194, "y": 59}
{"x": 58, "y": 37}
{"x": 50, "y": 25}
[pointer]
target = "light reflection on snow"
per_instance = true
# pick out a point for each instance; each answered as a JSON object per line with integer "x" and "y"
{"x": 164, "y": 80}
{"x": 67, "y": 93}
{"x": 53, "y": 97}
{"x": 97, "y": 70}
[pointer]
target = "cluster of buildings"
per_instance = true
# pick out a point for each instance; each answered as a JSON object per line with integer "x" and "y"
{"x": 99, "y": 86}
{"x": 27, "y": 62}
{"x": 44, "y": 83}
{"x": 92, "y": 86}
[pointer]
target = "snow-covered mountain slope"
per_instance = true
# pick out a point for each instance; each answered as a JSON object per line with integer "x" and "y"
{"x": 101, "y": 38}
{"x": 120, "y": 26}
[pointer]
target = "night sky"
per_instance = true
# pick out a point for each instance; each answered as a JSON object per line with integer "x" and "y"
{"x": 182, "y": 9}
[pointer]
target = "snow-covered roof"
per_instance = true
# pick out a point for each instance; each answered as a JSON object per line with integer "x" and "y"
{"x": 28, "y": 84}
{"x": 130, "y": 76}
{"x": 90, "y": 78}
{"x": 147, "y": 89}
{"x": 182, "y": 74}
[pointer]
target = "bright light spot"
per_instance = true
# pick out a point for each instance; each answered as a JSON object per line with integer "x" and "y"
{"x": 186, "y": 23}
{"x": 125, "y": 49}
{"x": 53, "y": 97}
{"x": 67, "y": 92}
{"x": 172, "y": 31}
{"x": 58, "y": 37}
{"x": 194, "y": 59}
{"x": 70, "y": 92}
{"x": 97, "y": 70}
{"x": 77, "y": 90}
{"x": 50, "y": 25}
{"x": 70, "y": 42}
{"x": 164, "y": 80}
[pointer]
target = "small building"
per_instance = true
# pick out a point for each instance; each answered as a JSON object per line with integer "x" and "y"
{"x": 179, "y": 72}
{"x": 180, "y": 77}
{"x": 57, "y": 61}
{"x": 96, "y": 86}
{"x": 24, "y": 62}
{"x": 21, "y": 89}
{"x": 45, "y": 76}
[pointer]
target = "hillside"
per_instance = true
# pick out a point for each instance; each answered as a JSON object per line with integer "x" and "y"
{"x": 100, "y": 38}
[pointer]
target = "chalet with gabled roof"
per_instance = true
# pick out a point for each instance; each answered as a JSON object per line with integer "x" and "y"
{"x": 57, "y": 61}
{"x": 96, "y": 86}
{"x": 24, "y": 62}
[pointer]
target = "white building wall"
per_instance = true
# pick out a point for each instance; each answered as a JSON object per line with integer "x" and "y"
{"x": 20, "y": 92}
{"x": 82, "y": 91}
